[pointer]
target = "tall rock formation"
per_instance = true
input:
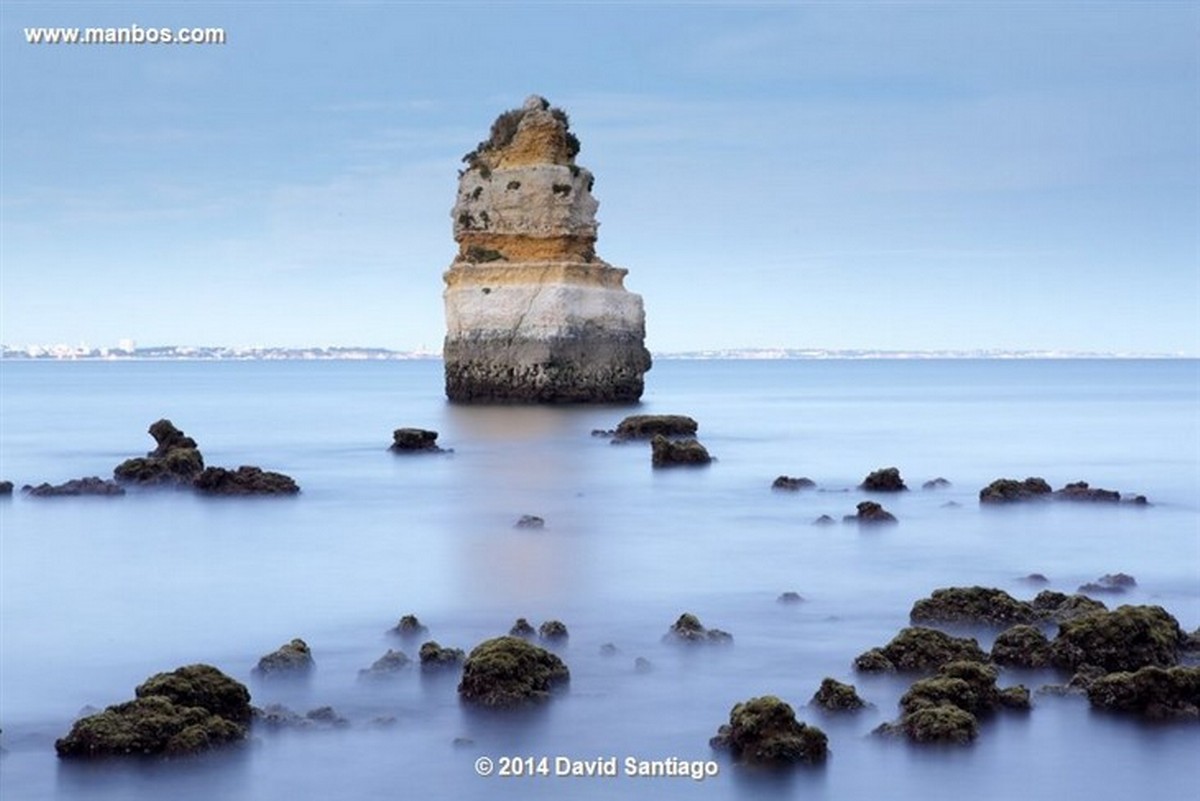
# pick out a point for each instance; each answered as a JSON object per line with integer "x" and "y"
{"x": 532, "y": 314}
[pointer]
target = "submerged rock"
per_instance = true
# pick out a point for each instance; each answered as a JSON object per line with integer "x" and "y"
{"x": 529, "y": 521}
{"x": 824, "y": 520}
{"x": 835, "y": 696}
{"x": 246, "y": 480}
{"x": 415, "y": 440}
{"x": 792, "y": 484}
{"x": 1058, "y": 606}
{"x": 292, "y": 659}
{"x": 946, "y": 708}
{"x": 1125, "y": 639}
{"x": 870, "y": 514}
{"x": 409, "y": 626}
{"x": 533, "y": 315}
{"x": 92, "y": 485}
{"x": 688, "y": 629}
{"x": 972, "y": 605}
{"x": 790, "y": 597}
{"x": 278, "y": 716}
{"x": 553, "y": 631}
{"x": 944, "y": 723}
{"x": 1009, "y": 490}
{"x": 523, "y": 628}
{"x": 917, "y": 649}
{"x": 668, "y": 453}
{"x": 764, "y": 731}
{"x": 6, "y": 489}
{"x": 508, "y": 672}
{"x": 176, "y": 459}
{"x": 886, "y": 479}
{"x": 386, "y": 666}
{"x": 1080, "y": 491}
{"x": 1110, "y": 582}
{"x": 436, "y": 658}
{"x": 1021, "y": 646}
{"x": 190, "y": 710}
{"x": 1152, "y": 692}
{"x": 936, "y": 483}
{"x": 649, "y": 426}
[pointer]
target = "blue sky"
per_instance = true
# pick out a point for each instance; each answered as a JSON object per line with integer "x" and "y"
{"x": 858, "y": 175}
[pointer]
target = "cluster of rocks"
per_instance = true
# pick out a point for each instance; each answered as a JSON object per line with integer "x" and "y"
{"x": 176, "y": 461}
{"x": 672, "y": 438}
{"x": 1011, "y": 490}
{"x": 532, "y": 313}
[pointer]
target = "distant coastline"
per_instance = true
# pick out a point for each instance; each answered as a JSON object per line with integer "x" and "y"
{"x": 220, "y": 353}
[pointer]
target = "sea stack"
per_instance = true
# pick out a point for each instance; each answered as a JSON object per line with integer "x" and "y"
{"x": 532, "y": 314}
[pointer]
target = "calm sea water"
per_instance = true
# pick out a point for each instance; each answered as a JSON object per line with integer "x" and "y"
{"x": 98, "y": 594}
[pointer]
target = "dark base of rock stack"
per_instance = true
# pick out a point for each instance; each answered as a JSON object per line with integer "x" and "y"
{"x": 560, "y": 371}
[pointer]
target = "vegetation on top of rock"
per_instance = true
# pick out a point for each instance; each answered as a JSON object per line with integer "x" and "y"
{"x": 91, "y": 485}
{"x": 187, "y": 711}
{"x": 1021, "y": 646}
{"x": 1126, "y": 639}
{"x": 246, "y": 480}
{"x": 870, "y": 513}
{"x": 1009, "y": 490}
{"x": 670, "y": 453}
{"x": 835, "y": 696}
{"x": 972, "y": 605}
{"x": 647, "y": 426}
{"x": 291, "y": 659}
{"x": 1153, "y": 692}
{"x": 508, "y": 672}
{"x": 176, "y": 459}
{"x": 435, "y": 657}
{"x": 764, "y": 731}
{"x": 792, "y": 483}
{"x": 409, "y": 626}
{"x": 918, "y": 649}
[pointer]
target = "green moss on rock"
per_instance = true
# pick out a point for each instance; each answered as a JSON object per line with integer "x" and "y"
{"x": 1021, "y": 646}
{"x": 1125, "y": 639}
{"x": 764, "y": 731}
{"x": 835, "y": 696}
{"x": 919, "y": 649}
{"x": 1152, "y": 692}
{"x": 508, "y": 672}
{"x": 985, "y": 605}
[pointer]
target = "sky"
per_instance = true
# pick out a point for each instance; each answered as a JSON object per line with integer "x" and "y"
{"x": 895, "y": 176}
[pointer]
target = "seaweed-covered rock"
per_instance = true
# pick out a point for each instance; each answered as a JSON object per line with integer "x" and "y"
{"x": 835, "y": 696}
{"x": 972, "y": 605}
{"x": 874, "y": 661}
{"x": 292, "y": 659}
{"x": 1080, "y": 491}
{"x": 409, "y": 626}
{"x": 1021, "y": 646}
{"x": 386, "y": 666}
{"x": 278, "y": 716}
{"x": 92, "y": 485}
{"x": 1059, "y": 607}
{"x": 523, "y": 628}
{"x": 764, "y": 731}
{"x": 886, "y": 479}
{"x": 246, "y": 480}
{"x": 918, "y": 649}
{"x": 944, "y": 723}
{"x": 670, "y": 453}
{"x": 688, "y": 629}
{"x": 553, "y": 631}
{"x": 1127, "y": 638}
{"x": 648, "y": 426}
{"x": 1015, "y": 697}
{"x": 1152, "y": 692}
{"x": 436, "y": 658}
{"x": 1111, "y": 583}
{"x": 870, "y": 513}
{"x": 176, "y": 459}
{"x": 968, "y": 685}
{"x": 187, "y": 711}
{"x": 508, "y": 672}
{"x": 936, "y": 483}
{"x": 792, "y": 483}
{"x": 203, "y": 686}
{"x": 415, "y": 440}
{"x": 1009, "y": 490}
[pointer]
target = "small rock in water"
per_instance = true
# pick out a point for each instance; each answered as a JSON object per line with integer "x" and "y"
{"x": 508, "y": 672}
{"x": 436, "y": 658}
{"x": 936, "y": 483}
{"x": 553, "y": 631}
{"x": 790, "y": 598}
{"x": 870, "y": 513}
{"x": 764, "y": 731}
{"x": 522, "y": 628}
{"x": 6, "y": 488}
{"x": 642, "y": 665}
{"x": 1035, "y": 578}
{"x": 1009, "y": 490}
{"x": 92, "y": 485}
{"x": 835, "y": 696}
{"x": 246, "y": 480}
{"x": 792, "y": 484}
{"x": 688, "y": 629}
{"x": 415, "y": 440}
{"x": 608, "y": 649}
{"x": 530, "y": 521}
{"x": 386, "y": 666}
{"x": 886, "y": 479}
{"x": 671, "y": 453}
{"x": 648, "y": 426}
{"x": 824, "y": 520}
{"x": 409, "y": 626}
{"x": 292, "y": 659}
{"x": 1111, "y": 582}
